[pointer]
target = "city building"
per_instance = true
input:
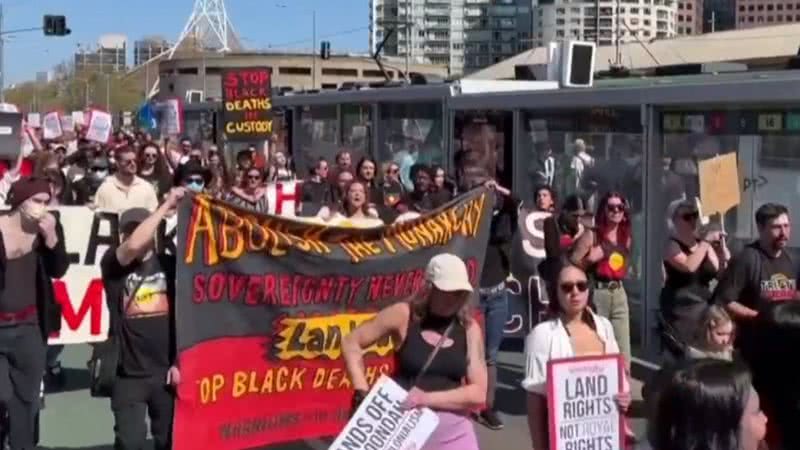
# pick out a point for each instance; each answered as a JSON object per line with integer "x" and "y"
{"x": 186, "y": 75}
{"x": 759, "y": 13}
{"x": 690, "y": 17}
{"x": 720, "y": 15}
{"x": 464, "y": 35}
{"x": 603, "y": 22}
{"x": 44, "y": 77}
{"x": 108, "y": 56}
{"x": 146, "y": 49}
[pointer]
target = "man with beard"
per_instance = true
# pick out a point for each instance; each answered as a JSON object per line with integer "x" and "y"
{"x": 762, "y": 273}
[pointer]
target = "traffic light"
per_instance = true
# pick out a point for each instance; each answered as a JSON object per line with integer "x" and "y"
{"x": 325, "y": 50}
{"x": 55, "y": 26}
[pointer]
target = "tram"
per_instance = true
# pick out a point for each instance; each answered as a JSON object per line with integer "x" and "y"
{"x": 645, "y": 134}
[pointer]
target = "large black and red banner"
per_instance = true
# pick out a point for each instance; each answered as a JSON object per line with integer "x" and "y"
{"x": 264, "y": 301}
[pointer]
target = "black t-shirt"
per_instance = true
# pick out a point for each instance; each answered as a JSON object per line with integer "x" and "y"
{"x": 143, "y": 319}
{"x": 755, "y": 278}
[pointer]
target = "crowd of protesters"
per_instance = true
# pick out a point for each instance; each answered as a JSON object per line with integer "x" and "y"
{"x": 728, "y": 321}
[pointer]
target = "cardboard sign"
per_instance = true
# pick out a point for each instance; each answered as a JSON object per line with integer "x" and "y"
{"x": 247, "y": 103}
{"x": 172, "y": 117}
{"x": 100, "y": 126}
{"x": 719, "y": 184}
{"x": 581, "y": 409}
{"x": 10, "y": 133}
{"x": 34, "y": 120}
{"x": 77, "y": 118}
{"x": 380, "y": 423}
{"x": 51, "y": 126}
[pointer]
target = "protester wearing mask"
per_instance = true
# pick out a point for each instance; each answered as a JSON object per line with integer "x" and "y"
{"x": 125, "y": 190}
{"x": 140, "y": 291}
{"x": 192, "y": 176}
{"x": 84, "y": 189}
{"x": 33, "y": 253}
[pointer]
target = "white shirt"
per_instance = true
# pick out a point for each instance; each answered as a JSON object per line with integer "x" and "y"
{"x": 548, "y": 341}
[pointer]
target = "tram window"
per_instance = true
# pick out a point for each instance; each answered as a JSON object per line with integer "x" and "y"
{"x": 482, "y": 146}
{"x": 589, "y": 152}
{"x": 357, "y": 130}
{"x": 318, "y": 135}
{"x": 410, "y": 133}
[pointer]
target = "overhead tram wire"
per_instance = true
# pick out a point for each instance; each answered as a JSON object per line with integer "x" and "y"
{"x": 305, "y": 41}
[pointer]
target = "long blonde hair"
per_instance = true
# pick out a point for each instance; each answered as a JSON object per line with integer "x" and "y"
{"x": 713, "y": 317}
{"x": 419, "y": 304}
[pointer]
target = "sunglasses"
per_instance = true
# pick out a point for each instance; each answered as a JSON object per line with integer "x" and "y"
{"x": 98, "y": 169}
{"x": 615, "y": 208}
{"x": 392, "y": 171}
{"x": 568, "y": 287}
{"x": 254, "y": 177}
{"x": 151, "y": 155}
{"x": 127, "y": 162}
{"x": 690, "y": 217}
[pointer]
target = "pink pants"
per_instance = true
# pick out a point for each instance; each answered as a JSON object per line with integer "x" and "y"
{"x": 455, "y": 432}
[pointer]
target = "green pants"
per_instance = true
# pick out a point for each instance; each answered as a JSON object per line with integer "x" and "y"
{"x": 613, "y": 305}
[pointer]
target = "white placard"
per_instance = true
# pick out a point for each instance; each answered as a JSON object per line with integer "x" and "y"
{"x": 582, "y": 412}
{"x": 67, "y": 124}
{"x": 380, "y": 424}
{"x": 172, "y": 117}
{"x": 51, "y": 126}
{"x": 27, "y": 143}
{"x": 77, "y": 118}
{"x": 100, "y": 126}
{"x": 34, "y": 120}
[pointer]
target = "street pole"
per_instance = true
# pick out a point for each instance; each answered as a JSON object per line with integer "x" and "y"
{"x": 108, "y": 93}
{"x": 86, "y": 102}
{"x": 2, "y": 60}
{"x": 314, "y": 49}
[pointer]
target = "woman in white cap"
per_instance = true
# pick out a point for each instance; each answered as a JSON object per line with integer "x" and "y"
{"x": 437, "y": 320}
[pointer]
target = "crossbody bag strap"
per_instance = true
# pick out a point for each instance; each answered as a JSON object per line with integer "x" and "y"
{"x": 435, "y": 351}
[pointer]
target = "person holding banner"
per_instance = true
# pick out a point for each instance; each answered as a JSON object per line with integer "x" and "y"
{"x": 436, "y": 323}
{"x": 574, "y": 330}
{"x": 33, "y": 253}
{"x": 251, "y": 193}
{"x": 140, "y": 291}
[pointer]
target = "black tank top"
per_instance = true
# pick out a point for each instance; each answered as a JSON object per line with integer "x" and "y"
{"x": 448, "y": 368}
{"x": 677, "y": 279}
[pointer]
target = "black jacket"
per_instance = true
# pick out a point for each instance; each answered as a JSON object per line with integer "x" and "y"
{"x": 51, "y": 263}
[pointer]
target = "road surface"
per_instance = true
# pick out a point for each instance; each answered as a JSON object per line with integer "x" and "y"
{"x": 74, "y": 420}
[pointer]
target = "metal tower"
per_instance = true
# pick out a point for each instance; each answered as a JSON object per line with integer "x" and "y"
{"x": 208, "y": 28}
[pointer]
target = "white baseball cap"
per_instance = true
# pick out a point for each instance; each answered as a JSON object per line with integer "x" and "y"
{"x": 448, "y": 273}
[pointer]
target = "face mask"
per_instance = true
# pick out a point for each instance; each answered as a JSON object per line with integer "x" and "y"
{"x": 33, "y": 211}
{"x": 195, "y": 186}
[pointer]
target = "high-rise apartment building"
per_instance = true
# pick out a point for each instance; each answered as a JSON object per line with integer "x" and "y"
{"x": 720, "y": 15}
{"x": 109, "y": 56}
{"x": 464, "y": 35}
{"x": 603, "y": 21}
{"x": 759, "y": 13}
{"x": 148, "y": 48}
{"x": 690, "y": 17}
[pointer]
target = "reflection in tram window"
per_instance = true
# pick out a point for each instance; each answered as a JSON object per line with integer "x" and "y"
{"x": 357, "y": 130}
{"x": 482, "y": 144}
{"x": 589, "y": 153}
{"x": 318, "y": 131}
{"x": 767, "y": 160}
{"x": 410, "y": 133}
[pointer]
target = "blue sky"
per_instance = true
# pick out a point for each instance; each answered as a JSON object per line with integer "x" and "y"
{"x": 259, "y": 23}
